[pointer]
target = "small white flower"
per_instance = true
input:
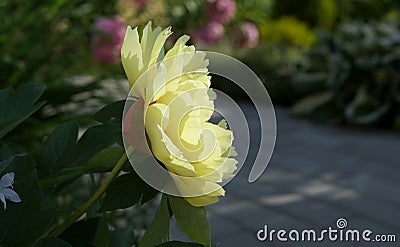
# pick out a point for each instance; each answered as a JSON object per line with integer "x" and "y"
{"x": 7, "y": 181}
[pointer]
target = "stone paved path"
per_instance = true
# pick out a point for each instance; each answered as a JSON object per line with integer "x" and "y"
{"x": 317, "y": 174}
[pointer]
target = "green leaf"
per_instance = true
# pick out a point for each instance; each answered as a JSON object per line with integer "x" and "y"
{"x": 22, "y": 223}
{"x": 103, "y": 234}
{"x": 158, "y": 232}
{"x": 125, "y": 191}
{"x": 179, "y": 244}
{"x": 104, "y": 160}
{"x": 191, "y": 220}
{"x": 60, "y": 178}
{"x": 111, "y": 114}
{"x": 122, "y": 237}
{"x": 5, "y": 163}
{"x": 6, "y": 151}
{"x": 51, "y": 242}
{"x": 82, "y": 232}
{"x": 16, "y": 106}
{"x": 57, "y": 149}
{"x": 93, "y": 141}
{"x": 61, "y": 151}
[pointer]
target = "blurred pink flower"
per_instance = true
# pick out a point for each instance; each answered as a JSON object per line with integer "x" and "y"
{"x": 139, "y": 4}
{"x": 221, "y": 11}
{"x": 210, "y": 33}
{"x": 247, "y": 36}
{"x": 108, "y": 39}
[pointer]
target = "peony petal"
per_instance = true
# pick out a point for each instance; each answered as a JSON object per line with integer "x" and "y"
{"x": 200, "y": 201}
{"x": 131, "y": 55}
{"x": 224, "y": 137}
{"x": 162, "y": 146}
{"x": 158, "y": 45}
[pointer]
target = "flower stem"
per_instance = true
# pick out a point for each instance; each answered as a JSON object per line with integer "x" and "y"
{"x": 78, "y": 213}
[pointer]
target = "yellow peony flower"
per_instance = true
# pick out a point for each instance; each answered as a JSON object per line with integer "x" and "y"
{"x": 175, "y": 103}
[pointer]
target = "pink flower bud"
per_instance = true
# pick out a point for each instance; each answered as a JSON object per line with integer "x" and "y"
{"x": 247, "y": 36}
{"x": 221, "y": 11}
{"x": 108, "y": 39}
{"x": 210, "y": 33}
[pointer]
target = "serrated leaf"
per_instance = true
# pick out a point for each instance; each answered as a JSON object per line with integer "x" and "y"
{"x": 16, "y": 106}
{"x": 191, "y": 220}
{"x": 122, "y": 237}
{"x": 179, "y": 244}
{"x": 158, "y": 232}
{"x": 125, "y": 191}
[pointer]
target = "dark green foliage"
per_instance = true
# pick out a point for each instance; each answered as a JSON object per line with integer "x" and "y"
{"x": 87, "y": 232}
{"x": 51, "y": 242}
{"x": 22, "y": 223}
{"x": 51, "y": 42}
{"x": 125, "y": 191}
{"x": 158, "y": 232}
{"x": 366, "y": 9}
{"x": 61, "y": 152}
{"x": 186, "y": 15}
{"x": 37, "y": 35}
{"x": 317, "y": 13}
{"x": 192, "y": 220}
{"x": 358, "y": 69}
{"x": 63, "y": 158}
{"x": 122, "y": 237}
{"x": 111, "y": 114}
{"x": 16, "y": 106}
